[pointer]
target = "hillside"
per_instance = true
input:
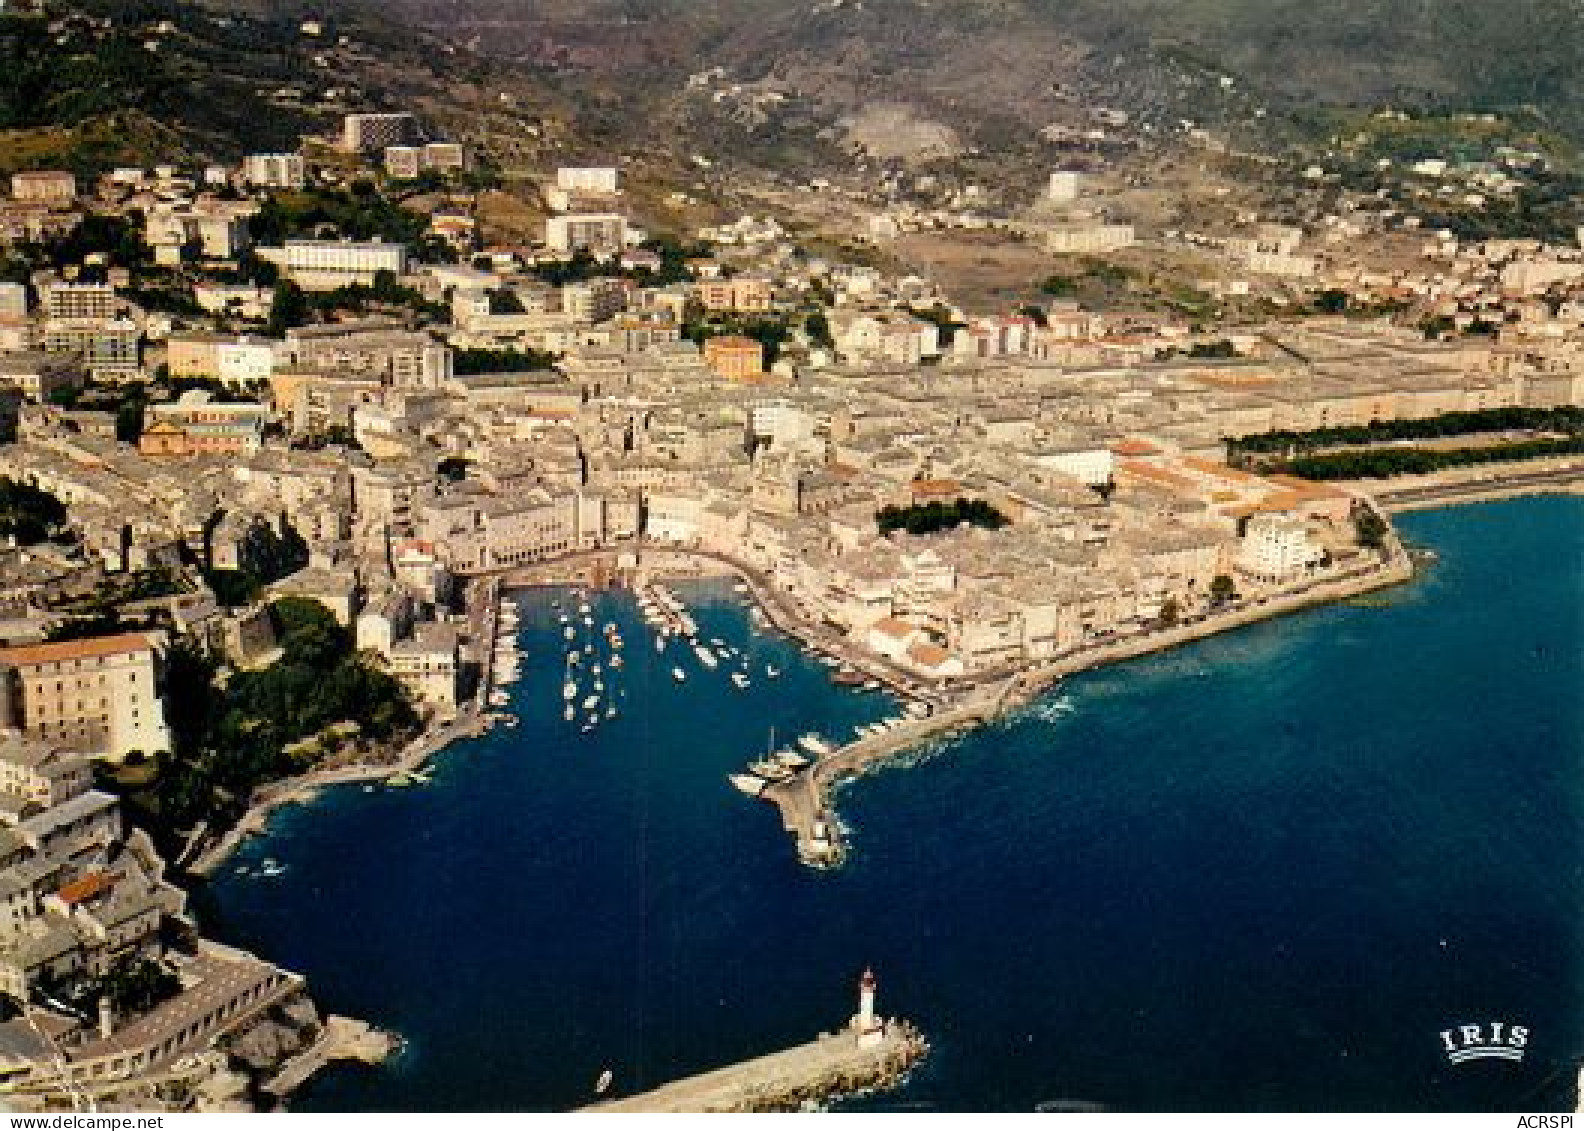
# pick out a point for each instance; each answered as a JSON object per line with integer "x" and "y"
{"x": 133, "y": 81}
{"x": 988, "y": 70}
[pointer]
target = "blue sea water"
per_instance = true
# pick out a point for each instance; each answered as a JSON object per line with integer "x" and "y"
{"x": 1264, "y": 871}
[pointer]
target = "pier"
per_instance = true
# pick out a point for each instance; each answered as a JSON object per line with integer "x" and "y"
{"x": 830, "y": 1066}
{"x": 804, "y": 801}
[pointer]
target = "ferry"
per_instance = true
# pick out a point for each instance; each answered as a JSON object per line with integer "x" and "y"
{"x": 706, "y": 657}
{"x": 739, "y": 679}
{"x": 678, "y": 674}
{"x": 750, "y": 784}
{"x": 814, "y": 744}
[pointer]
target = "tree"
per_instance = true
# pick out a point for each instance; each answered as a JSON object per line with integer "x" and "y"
{"x": 1170, "y": 612}
{"x": 817, "y": 327}
{"x": 289, "y": 308}
{"x": 1370, "y": 527}
{"x": 1222, "y": 589}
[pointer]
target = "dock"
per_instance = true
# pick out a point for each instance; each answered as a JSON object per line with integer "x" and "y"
{"x": 832, "y": 1065}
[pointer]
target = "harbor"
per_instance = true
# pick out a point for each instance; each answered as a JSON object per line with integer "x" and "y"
{"x": 1009, "y": 868}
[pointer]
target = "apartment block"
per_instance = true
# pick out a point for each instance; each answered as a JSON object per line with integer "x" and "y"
{"x": 599, "y": 232}
{"x": 48, "y": 186}
{"x": 95, "y": 696}
{"x": 274, "y": 170}
{"x": 361, "y": 133}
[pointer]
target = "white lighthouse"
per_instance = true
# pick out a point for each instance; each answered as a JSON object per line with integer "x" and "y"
{"x": 870, "y": 1029}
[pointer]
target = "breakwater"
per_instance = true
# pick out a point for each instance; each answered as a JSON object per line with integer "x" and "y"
{"x": 831, "y": 1066}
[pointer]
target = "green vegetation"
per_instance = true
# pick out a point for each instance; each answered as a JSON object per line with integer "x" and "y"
{"x": 133, "y": 986}
{"x": 361, "y": 212}
{"x": 1222, "y": 589}
{"x": 230, "y": 735}
{"x": 1369, "y": 527}
{"x": 292, "y": 306}
{"x": 927, "y": 518}
{"x": 29, "y": 515}
{"x": 468, "y": 362}
{"x": 769, "y": 331}
{"x": 270, "y": 555}
{"x": 1568, "y": 420}
{"x": 1383, "y": 463}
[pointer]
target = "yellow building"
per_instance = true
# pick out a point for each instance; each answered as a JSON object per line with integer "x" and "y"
{"x": 735, "y": 358}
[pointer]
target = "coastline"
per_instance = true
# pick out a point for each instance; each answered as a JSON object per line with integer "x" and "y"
{"x": 471, "y": 720}
{"x": 805, "y": 803}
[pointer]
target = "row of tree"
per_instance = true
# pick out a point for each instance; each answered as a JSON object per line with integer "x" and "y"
{"x": 1567, "y": 419}
{"x": 1384, "y": 463}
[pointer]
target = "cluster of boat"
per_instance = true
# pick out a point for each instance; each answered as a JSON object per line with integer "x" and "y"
{"x": 780, "y": 765}
{"x": 507, "y": 666}
{"x": 589, "y": 707}
{"x": 664, "y": 612}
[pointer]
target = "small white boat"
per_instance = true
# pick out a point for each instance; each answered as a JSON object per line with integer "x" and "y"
{"x": 739, "y": 679}
{"x": 616, "y": 662}
{"x": 705, "y": 656}
{"x": 602, "y": 1085}
{"x": 660, "y": 642}
{"x": 271, "y": 867}
{"x": 751, "y": 784}
{"x": 791, "y": 759}
{"x": 570, "y": 713}
{"x": 570, "y": 633}
{"x": 814, "y": 744}
{"x": 678, "y": 674}
{"x": 772, "y": 671}
{"x": 591, "y": 702}
{"x": 610, "y": 711}
{"x": 569, "y": 690}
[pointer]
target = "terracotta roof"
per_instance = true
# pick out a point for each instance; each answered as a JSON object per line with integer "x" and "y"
{"x": 929, "y": 655}
{"x": 1133, "y": 447}
{"x": 88, "y": 649}
{"x": 95, "y": 883}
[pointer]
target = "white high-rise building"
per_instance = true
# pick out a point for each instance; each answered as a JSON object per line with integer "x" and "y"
{"x": 1065, "y": 186}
